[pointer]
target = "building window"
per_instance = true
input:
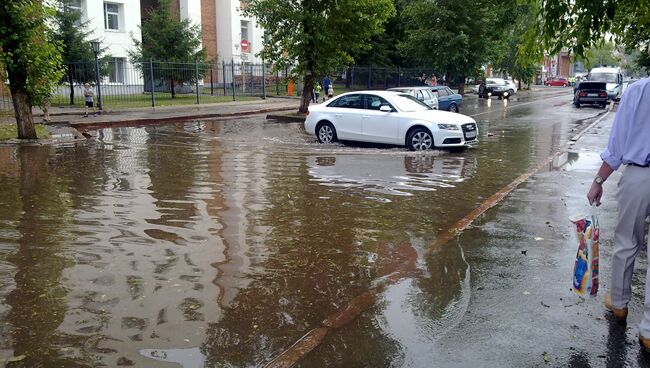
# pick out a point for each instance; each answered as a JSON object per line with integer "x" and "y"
{"x": 244, "y": 30}
{"x": 111, "y": 16}
{"x": 74, "y": 5}
{"x": 116, "y": 70}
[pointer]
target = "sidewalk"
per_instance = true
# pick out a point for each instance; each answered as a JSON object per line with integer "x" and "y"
{"x": 74, "y": 117}
{"x": 522, "y": 311}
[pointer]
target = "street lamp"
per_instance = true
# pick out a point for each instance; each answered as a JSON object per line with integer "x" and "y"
{"x": 96, "y": 50}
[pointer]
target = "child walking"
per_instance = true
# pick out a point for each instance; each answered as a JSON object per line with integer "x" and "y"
{"x": 89, "y": 96}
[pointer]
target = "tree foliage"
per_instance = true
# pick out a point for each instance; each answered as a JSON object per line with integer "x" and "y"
{"x": 31, "y": 56}
{"x": 579, "y": 24}
{"x": 602, "y": 53}
{"x": 384, "y": 51}
{"x": 317, "y": 36}
{"x": 165, "y": 37}
{"x": 520, "y": 53}
{"x": 454, "y": 37}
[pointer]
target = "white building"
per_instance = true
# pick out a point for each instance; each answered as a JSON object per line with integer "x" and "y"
{"x": 232, "y": 29}
{"x": 114, "y": 23}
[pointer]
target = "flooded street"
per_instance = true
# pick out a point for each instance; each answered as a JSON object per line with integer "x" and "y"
{"x": 222, "y": 243}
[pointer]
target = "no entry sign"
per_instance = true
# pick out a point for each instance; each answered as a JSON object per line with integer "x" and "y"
{"x": 244, "y": 45}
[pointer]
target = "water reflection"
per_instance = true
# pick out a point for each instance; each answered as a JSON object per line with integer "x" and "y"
{"x": 392, "y": 174}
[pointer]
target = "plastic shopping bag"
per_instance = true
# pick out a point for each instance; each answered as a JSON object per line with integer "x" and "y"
{"x": 585, "y": 270}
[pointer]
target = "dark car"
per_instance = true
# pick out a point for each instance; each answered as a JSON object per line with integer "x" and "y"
{"x": 495, "y": 87}
{"x": 447, "y": 99}
{"x": 590, "y": 93}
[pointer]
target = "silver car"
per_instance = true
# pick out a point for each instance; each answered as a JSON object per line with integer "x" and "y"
{"x": 423, "y": 94}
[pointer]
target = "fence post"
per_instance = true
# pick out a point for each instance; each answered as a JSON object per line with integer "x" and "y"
{"x": 196, "y": 74}
{"x": 232, "y": 66}
{"x": 352, "y": 79}
{"x": 223, "y": 65}
{"x": 399, "y": 77}
{"x": 369, "y": 77}
{"x": 211, "y": 81}
{"x": 252, "y": 81}
{"x": 263, "y": 80}
{"x": 385, "y": 80}
{"x": 70, "y": 72}
{"x": 153, "y": 87}
{"x": 277, "y": 82}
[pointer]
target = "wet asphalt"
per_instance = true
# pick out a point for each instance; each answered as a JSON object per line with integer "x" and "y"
{"x": 222, "y": 243}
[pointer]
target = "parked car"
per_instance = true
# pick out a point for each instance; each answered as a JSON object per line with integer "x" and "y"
{"x": 495, "y": 87}
{"x": 557, "y": 82}
{"x": 421, "y": 93}
{"x": 590, "y": 93}
{"x": 513, "y": 87}
{"x": 391, "y": 118}
{"x": 447, "y": 99}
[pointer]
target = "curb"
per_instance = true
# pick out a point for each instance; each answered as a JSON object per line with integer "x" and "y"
{"x": 172, "y": 119}
{"x": 285, "y": 118}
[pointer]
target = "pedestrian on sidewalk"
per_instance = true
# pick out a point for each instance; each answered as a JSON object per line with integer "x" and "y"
{"x": 629, "y": 145}
{"x": 327, "y": 83}
{"x": 46, "y": 110}
{"x": 89, "y": 97}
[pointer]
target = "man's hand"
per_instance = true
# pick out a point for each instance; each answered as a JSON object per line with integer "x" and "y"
{"x": 595, "y": 193}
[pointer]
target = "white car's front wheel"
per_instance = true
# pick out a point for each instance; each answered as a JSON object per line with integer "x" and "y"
{"x": 325, "y": 133}
{"x": 419, "y": 139}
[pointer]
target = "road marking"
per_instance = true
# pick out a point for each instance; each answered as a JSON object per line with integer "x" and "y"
{"x": 351, "y": 310}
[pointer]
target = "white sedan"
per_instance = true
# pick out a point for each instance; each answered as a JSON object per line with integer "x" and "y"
{"x": 389, "y": 118}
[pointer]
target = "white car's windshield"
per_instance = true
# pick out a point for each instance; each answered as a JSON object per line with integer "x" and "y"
{"x": 603, "y": 77}
{"x": 409, "y": 103}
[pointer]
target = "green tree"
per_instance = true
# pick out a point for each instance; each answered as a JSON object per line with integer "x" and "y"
{"x": 602, "y": 53}
{"x": 454, "y": 37}
{"x": 165, "y": 37}
{"x": 643, "y": 60}
{"x": 317, "y": 36}
{"x": 580, "y": 24}
{"x": 77, "y": 53}
{"x": 384, "y": 51}
{"x": 520, "y": 53}
{"x": 31, "y": 56}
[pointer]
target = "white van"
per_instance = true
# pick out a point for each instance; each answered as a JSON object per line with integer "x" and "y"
{"x": 610, "y": 75}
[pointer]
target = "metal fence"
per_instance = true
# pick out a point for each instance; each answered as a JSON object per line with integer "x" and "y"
{"x": 154, "y": 83}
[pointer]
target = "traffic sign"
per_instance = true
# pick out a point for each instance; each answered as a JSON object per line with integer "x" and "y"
{"x": 244, "y": 45}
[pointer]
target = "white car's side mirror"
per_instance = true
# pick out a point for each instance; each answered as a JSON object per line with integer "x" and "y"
{"x": 385, "y": 108}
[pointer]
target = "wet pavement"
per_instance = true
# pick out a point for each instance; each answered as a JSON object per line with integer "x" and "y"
{"x": 222, "y": 243}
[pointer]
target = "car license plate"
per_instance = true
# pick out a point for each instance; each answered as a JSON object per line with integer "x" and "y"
{"x": 470, "y": 134}
{"x": 592, "y": 94}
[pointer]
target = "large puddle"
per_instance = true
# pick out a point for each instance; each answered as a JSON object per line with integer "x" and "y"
{"x": 222, "y": 243}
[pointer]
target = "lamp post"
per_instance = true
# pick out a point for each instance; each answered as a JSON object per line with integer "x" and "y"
{"x": 96, "y": 49}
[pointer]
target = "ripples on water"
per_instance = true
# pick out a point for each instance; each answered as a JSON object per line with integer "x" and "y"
{"x": 217, "y": 242}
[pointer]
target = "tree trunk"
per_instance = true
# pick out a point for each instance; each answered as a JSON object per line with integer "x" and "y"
{"x": 71, "y": 80}
{"x": 461, "y": 85}
{"x": 306, "y": 94}
{"x": 22, "y": 106}
{"x": 171, "y": 85}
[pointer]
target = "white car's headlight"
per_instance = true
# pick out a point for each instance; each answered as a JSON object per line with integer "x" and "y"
{"x": 448, "y": 127}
